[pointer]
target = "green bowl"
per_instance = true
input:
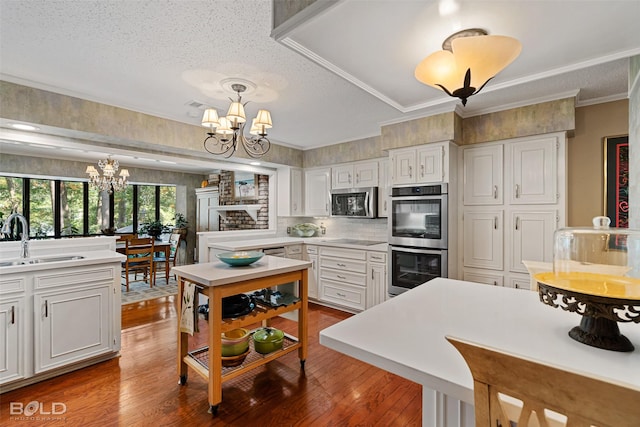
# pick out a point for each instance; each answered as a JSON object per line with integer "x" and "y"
{"x": 240, "y": 258}
{"x": 267, "y": 340}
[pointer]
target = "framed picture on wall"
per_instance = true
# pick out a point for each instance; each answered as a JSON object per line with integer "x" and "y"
{"x": 616, "y": 180}
{"x": 245, "y": 186}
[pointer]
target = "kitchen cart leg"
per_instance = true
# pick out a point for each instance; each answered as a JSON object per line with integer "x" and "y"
{"x": 213, "y": 409}
{"x": 215, "y": 345}
{"x": 302, "y": 364}
{"x": 183, "y": 340}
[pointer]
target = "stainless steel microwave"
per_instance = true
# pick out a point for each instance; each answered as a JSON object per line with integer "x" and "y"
{"x": 354, "y": 202}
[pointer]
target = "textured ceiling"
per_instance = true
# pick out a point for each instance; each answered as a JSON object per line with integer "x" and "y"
{"x": 354, "y": 74}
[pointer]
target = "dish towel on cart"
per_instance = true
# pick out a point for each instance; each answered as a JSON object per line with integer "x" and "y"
{"x": 187, "y": 317}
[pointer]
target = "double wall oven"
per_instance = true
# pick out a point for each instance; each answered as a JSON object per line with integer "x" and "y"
{"x": 418, "y": 236}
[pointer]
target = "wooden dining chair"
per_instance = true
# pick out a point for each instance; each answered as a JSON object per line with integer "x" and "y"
{"x": 512, "y": 391}
{"x": 174, "y": 241}
{"x": 139, "y": 259}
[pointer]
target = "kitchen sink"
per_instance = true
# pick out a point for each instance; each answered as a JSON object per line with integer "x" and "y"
{"x": 29, "y": 261}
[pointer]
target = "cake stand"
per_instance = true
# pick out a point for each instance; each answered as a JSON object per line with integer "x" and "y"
{"x": 602, "y": 300}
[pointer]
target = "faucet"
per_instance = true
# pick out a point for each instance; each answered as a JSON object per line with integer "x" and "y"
{"x": 24, "y": 240}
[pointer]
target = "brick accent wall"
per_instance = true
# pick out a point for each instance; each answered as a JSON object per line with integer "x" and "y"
{"x": 240, "y": 220}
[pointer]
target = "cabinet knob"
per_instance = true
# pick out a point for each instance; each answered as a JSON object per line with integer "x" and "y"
{"x": 495, "y": 191}
{"x": 517, "y": 191}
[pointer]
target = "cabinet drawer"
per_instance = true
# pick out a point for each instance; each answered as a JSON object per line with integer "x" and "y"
{"x": 312, "y": 250}
{"x": 293, "y": 250}
{"x": 12, "y": 284}
{"x": 377, "y": 256}
{"x": 344, "y": 253}
{"x": 344, "y": 265}
{"x": 357, "y": 279}
{"x": 73, "y": 277}
{"x": 343, "y": 294}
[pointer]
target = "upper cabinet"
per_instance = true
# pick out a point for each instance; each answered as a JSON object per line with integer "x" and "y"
{"x": 423, "y": 164}
{"x": 290, "y": 192}
{"x": 355, "y": 175}
{"x": 482, "y": 175}
{"x": 317, "y": 188}
{"x": 383, "y": 189}
{"x": 533, "y": 171}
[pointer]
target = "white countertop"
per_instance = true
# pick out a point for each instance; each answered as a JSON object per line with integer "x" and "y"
{"x": 218, "y": 273}
{"x": 406, "y": 335}
{"x": 274, "y": 242}
{"x": 91, "y": 257}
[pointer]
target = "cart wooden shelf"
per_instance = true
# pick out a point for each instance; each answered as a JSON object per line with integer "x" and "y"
{"x": 217, "y": 281}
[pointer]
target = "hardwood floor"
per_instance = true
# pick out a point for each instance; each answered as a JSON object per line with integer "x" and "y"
{"x": 141, "y": 387}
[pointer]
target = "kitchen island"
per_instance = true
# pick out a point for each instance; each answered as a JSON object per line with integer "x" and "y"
{"x": 406, "y": 336}
{"x": 218, "y": 280}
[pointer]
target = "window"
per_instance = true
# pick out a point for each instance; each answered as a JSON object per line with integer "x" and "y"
{"x": 56, "y": 208}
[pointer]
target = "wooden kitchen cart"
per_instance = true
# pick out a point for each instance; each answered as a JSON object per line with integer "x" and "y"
{"x": 218, "y": 280}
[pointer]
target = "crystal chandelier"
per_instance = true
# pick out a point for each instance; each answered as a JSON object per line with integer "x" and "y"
{"x": 108, "y": 181}
{"x": 227, "y": 132}
{"x": 467, "y": 61}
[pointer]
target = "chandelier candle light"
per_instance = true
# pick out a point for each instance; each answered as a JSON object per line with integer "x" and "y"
{"x": 469, "y": 59}
{"x": 108, "y": 181}
{"x": 226, "y": 132}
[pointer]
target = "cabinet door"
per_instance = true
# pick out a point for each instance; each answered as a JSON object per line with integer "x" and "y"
{"x": 518, "y": 281}
{"x": 403, "y": 164}
{"x": 317, "y": 188}
{"x": 483, "y": 240}
{"x": 12, "y": 335}
{"x": 532, "y": 238}
{"x": 207, "y": 219}
{"x": 483, "y": 175}
{"x": 366, "y": 174}
{"x": 297, "y": 208}
{"x": 383, "y": 189}
{"x": 534, "y": 171}
{"x": 430, "y": 164}
{"x": 312, "y": 291}
{"x": 70, "y": 326}
{"x": 377, "y": 286}
{"x": 342, "y": 177}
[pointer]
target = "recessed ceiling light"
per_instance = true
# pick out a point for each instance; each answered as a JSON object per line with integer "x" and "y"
{"x": 255, "y": 163}
{"x": 167, "y": 161}
{"x": 22, "y": 126}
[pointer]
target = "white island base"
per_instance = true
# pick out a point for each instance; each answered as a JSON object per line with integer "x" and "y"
{"x": 406, "y": 336}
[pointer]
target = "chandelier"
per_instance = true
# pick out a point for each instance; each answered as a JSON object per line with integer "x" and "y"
{"x": 469, "y": 59}
{"x": 226, "y": 133}
{"x": 108, "y": 181}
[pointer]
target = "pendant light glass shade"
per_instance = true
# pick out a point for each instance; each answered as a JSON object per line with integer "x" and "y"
{"x": 470, "y": 64}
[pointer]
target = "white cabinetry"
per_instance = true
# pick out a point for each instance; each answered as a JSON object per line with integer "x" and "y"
{"x": 423, "y": 164}
{"x": 484, "y": 240}
{"x": 207, "y": 216}
{"x": 377, "y": 278}
{"x": 482, "y": 175}
{"x": 355, "y": 175}
{"x": 317, "y": 189}
{"x": 71, "y": 325}
{"x": 383, "y": 188}
{"x": 290, "y": 192}
{"x": 342, "y": 277}
{"x": 506, "y": 224}
{"x": 12, "y": 325}
{"x": 56, "y": 320}
{"x": 311, "y": 254}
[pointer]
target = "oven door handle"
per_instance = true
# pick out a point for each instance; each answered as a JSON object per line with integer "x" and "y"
{"x": 416, "y": 250}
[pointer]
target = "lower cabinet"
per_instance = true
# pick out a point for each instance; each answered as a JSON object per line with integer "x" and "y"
{"x": 311, "y": 254}
{"x": 342, "y": 277}
{"x": 57, "y": 320}
{"x": 12, "y": 319}
{"x": 377, "y": 278}
{"x": 71, "y": 325}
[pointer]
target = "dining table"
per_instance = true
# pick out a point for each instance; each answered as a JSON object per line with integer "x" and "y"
{"x": 158, "y": 246}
